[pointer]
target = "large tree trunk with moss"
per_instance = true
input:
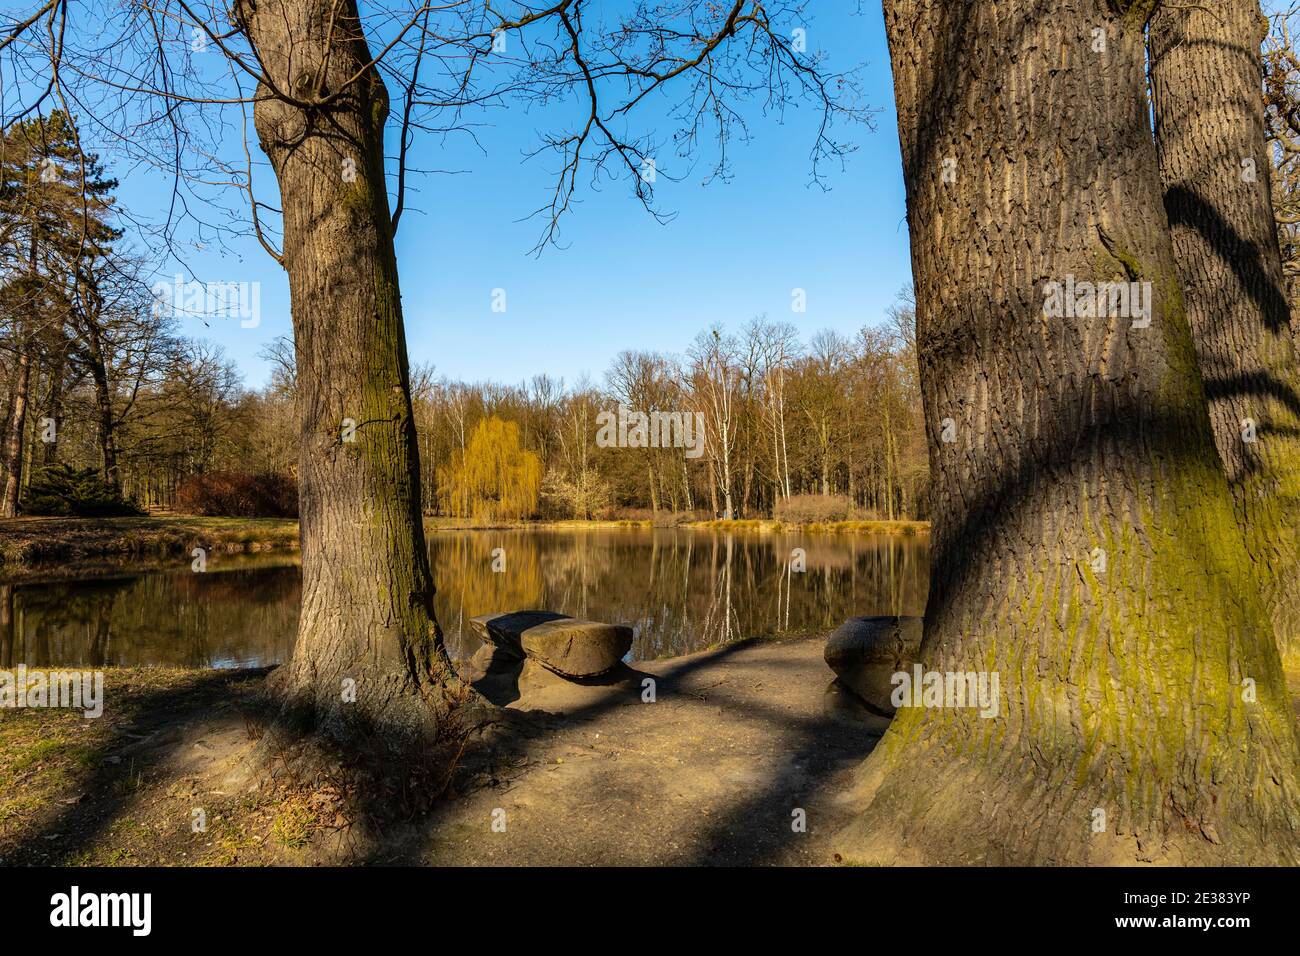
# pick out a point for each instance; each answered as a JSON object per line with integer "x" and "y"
{"x": 1084, "y": 546}
{"x": 1214, "y": 165}
{"x": 368, "y": 657}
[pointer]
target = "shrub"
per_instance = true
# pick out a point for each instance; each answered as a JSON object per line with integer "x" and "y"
{"x": 64, "y": 491}
{"x": 234, "y": 494}
{"x": 813, "y": 509}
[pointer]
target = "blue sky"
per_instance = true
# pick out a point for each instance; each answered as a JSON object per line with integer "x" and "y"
{"x": 734, "y": 250}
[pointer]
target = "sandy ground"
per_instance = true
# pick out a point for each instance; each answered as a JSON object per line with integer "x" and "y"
{"x": 733, "y": 763}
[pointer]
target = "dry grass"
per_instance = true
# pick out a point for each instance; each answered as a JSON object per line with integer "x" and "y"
{"x": 117, "y": 791}
{"x": 28, "y": 542}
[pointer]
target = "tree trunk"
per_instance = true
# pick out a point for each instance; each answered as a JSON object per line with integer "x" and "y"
{"x": 57, "y": 364}
{"x": 14, "y": 436}
{"x": 1123, "y": 731}
{"x": 713, "y": 487}
{"x": 367, "y": 596}
{"x": 1214, "y": 166}
{"x": 6, "y": 625}
{"x": 104, "y": 410}
{"x": 785, "y": 452}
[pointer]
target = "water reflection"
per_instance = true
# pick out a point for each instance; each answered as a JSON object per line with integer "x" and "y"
{"x": 680, "y": 590}
{"x": 239, "y": 616}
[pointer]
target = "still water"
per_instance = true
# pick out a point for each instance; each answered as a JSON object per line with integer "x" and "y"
{"x": 680, "y": 590}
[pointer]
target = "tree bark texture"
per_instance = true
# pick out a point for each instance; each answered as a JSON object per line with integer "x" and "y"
{"x": 1084, "y": 543}
{"x": 1206, "y": 80}
{"x": 367, "y": 623}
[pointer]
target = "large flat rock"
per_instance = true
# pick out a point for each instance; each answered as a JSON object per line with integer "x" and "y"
{"x": 567, "y": 645}
{"x": 504, "y": 630}
{"x": 866, "y": 652}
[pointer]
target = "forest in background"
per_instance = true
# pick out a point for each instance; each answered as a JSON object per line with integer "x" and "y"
{"x": 103, "y": 394}
{"x": 107, "y": 403}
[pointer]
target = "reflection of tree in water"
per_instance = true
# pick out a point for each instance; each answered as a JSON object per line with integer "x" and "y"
{"x": 465, "y": 585}
{"x": 219, "y": 618}
{"x": 681, "y": 590}
{"x": 742, "y": 586}
{"x": 6, "y": 625}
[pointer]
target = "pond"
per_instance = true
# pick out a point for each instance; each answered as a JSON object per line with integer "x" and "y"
{"x": 681, "y": 590}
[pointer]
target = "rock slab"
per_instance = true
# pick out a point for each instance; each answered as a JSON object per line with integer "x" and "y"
{"x": 866, "y": 652}
{"x": 566, "y": 645}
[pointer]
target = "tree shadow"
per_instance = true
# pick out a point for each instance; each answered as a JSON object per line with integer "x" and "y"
{"x": 755, "y": 828}
{"x": 1186, "y": 207}
{"x": 134, "y": 753}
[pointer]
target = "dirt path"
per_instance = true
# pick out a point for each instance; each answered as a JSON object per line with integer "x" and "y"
{"x": 712, "y": 772}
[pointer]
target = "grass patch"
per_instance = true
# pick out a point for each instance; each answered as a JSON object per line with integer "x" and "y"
{"x": 293, "y": 824}
{"x": 59, "y": 771}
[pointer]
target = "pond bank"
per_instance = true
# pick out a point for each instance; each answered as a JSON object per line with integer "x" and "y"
{"x": 30, "y": 542}
{"x": 715, "y": 771}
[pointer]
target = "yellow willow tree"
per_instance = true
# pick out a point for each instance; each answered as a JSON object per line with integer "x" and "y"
{"x": 494, "y": 477}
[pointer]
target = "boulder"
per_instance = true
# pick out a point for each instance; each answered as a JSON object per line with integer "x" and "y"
{"x": 490, "y": 659}
{"x": 866, "y": 652}
{"x": 568, "y": 646}
{"x": 502, "y": 630}
{"x": 841, "y": 704}
{"x": 494, "y": 673}
{"x": 534, "y": 677}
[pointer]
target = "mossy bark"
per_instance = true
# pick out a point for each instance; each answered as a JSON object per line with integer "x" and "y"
{"x": 368, "y": 657}
{"x": 1214, "y": 167}
{"x": 1084, "y": 544}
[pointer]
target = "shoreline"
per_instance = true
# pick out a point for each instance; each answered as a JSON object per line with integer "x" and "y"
{"x": 594, "y": 776}
{"x": 27, "y": 543}
{"x": 32, "y": 543}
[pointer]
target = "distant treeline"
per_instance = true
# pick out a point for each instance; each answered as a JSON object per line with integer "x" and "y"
{"x": 106, "y": 406}
{"x": 826, "y": 430}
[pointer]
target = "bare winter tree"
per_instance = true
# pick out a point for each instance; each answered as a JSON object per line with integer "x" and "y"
{"x": 715, "y": 376}
{"x": 320, "y": 80}
{"x": 1282, "y": 128}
